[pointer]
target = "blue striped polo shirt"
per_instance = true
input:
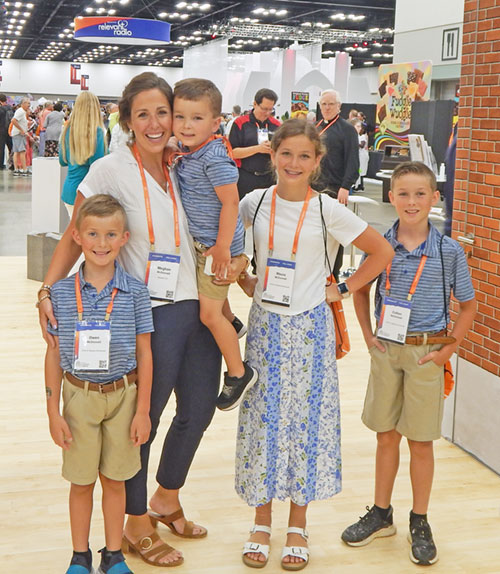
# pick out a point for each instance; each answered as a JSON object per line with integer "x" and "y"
{"x": 198, "y": 174}
{"x": 428, "y": 312}
{"x": 130, "y": 317}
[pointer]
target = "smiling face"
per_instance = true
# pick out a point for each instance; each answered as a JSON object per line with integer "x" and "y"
{"x": 295, "y": 160}
{"x": 413, "y": 197}
{"x": 194, "y": 121}
{"x": 101, "y": 239}
{"x": 151, "y": 121}
{"x": 329, "y": 106}
{"x": 263, "y": 110}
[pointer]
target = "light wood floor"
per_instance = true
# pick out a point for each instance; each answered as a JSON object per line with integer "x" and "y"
{"x": 34, "y": 531}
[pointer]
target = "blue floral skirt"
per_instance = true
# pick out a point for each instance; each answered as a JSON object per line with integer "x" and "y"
{"x": 288, "y": 440}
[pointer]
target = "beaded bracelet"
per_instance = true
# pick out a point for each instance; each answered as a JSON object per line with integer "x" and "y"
{"x": 37, "y": 304}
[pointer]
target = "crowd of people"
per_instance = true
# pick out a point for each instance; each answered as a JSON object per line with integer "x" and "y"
{"x": 161, "y": 224}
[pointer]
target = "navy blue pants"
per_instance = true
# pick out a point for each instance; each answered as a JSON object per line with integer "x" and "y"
{"x": 186, "y": 360}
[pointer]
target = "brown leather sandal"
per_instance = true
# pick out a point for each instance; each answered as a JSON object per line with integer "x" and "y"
{"x": 149, "y": 554}
{"x": 169, "y": 519}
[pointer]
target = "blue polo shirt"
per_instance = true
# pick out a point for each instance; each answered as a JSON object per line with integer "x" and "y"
{"x": 198, "y": 174}
{"x": 130, "y": 317}
{"x": 428, "y": 312}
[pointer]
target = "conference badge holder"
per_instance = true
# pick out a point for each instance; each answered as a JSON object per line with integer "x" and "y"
{"x": 278, "y": 282}
{"x": 394, "y": 320}
{"x": 162, "y": 274}
{"x": 92, "y": 340}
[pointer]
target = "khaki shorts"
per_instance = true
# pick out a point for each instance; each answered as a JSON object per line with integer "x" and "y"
{"x": 205, "y": 285}
{"x": 100, "y": 425}
{"x": 404, "y": 395}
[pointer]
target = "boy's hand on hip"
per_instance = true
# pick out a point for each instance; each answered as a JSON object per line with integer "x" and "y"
{"x": 59, "y": 431}
{"x": 374, "y": 342}
{"x": 140, "y": 428}
{"x": 439, "y": 357}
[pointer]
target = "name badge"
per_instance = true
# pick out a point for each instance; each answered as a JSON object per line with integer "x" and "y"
{"x": 162, "y": 275}
{"x": 278, "y": 282}
{"x": 92, "y": 345}
{"x": 262, "y": 135}
{"x": 394, "y": 320}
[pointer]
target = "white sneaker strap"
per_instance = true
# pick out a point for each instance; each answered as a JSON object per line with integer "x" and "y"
{"x": 301, "y": 531}
{"x": 260, "y": 528}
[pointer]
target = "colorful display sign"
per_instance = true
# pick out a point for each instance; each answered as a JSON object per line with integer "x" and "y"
{"x": 399, "y": 86}
{"x": 300, "y": 104}
{"x": 117, "y": 30}
{"x": 74, "y": 71}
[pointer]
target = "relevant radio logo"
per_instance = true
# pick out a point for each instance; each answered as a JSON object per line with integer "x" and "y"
{"x": 121, "y": 30}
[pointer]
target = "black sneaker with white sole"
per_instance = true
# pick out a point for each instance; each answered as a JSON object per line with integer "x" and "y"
{"x": 423, "y": 551}
{"x": 239, "y": 327}
{"x": 369, "y": 527}
{"x": 234, "y": 388}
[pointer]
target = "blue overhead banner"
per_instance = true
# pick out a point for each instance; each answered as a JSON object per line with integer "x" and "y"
{"x": 116, "y": 30}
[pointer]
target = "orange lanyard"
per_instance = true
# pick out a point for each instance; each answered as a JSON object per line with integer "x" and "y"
{"x": 328, "y": 126}
{"x": 225, "y": 141}
{"x": 299, "y": 224}
{"x": 416, "y": 279}
{"x": 79, "y": 303}
{"x": 148, "y": 203}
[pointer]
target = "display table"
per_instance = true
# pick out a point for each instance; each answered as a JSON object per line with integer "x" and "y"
{"x": 49, "y": 217}
{"x": 355, "y": 201}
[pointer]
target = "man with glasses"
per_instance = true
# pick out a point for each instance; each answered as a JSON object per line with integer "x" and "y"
{"x": 340, "y": 164}
{"x": 249, "y": 137}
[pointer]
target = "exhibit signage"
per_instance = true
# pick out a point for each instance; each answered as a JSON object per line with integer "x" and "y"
{"x": 399, "y": 85}
{"x": 118, "y": 30}
{"x": 300, "y": 104}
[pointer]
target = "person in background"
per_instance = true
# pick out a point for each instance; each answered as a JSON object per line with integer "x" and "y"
{"x": 340, "y": 164}
{"x": 250, "y": 138}
{"x": 53, "y": 128}
{"x": 6, "y": 114}
{"x": 48, "y": 107}
{"x": 449, "y": 185}
{"x": 82, "y": 143}
{"x": 236, "y": 113}
{"x": 364, "y": 155}
{"x": 19, "y": 134}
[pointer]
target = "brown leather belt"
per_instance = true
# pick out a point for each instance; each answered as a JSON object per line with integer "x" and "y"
{"x": 104, "y": 387}
{"x": 440, "y": 338}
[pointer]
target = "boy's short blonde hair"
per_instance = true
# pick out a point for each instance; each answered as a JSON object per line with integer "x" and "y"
{"x": 100, "y": 205}
{"x": 414, "y": 168}
{"x": 195, "y": 89}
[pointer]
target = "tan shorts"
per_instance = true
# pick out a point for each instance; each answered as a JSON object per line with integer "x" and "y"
{"x": 100, "y": 425}
{"x": 404, "y": 395}
{"x": 205, "y": 285}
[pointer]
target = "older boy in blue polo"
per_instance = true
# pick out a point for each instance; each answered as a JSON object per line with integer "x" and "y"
{"x": 103, "y": 354}
{"x": 408, "y": 351}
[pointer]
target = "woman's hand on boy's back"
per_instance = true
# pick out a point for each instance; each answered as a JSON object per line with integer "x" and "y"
{"x": 46, "y": 315}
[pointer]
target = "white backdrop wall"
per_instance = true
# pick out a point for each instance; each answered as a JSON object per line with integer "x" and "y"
{"x": 106, "y": 80}
{"x": 419, "y": 33}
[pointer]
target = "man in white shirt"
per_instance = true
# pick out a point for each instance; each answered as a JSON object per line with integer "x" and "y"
{"x": 19, "y": 133}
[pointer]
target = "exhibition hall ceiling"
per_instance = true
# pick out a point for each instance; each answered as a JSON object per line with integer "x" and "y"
{"x": 43, "y": 29}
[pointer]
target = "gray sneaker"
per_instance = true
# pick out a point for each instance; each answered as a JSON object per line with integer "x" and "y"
{"x": 423, "y": 550}
{"x": 369, "y": 527}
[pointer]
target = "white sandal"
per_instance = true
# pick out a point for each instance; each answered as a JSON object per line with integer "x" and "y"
{"x": 255, "y": 547}
{"x": 296, "y": 551}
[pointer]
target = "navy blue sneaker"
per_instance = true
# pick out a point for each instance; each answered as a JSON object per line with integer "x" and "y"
{"x": 369, "y": 527}
{"x": 234, "y": 388}
{"x": 113, "y": 562}
{"x": 423, "y": 551}
{"x": 81, "y": 563}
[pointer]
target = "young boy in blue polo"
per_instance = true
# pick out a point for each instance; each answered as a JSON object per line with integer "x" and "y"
{"x": 207, "y": 179}
{"x": 408, "y": 351}
{"x": 103, "y": 356}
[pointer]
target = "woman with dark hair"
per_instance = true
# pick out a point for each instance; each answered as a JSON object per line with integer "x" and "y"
{"x": 186, "y": 359}
{"x": 53, "y": 128}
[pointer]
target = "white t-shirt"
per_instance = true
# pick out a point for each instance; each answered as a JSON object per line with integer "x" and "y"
{"x": 117, "y": 174}
{"x": 20, "y": 116}
{"x": 342, "y": 226}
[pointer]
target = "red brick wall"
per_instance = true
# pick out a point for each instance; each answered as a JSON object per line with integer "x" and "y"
{"x": 477, "y": 185}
